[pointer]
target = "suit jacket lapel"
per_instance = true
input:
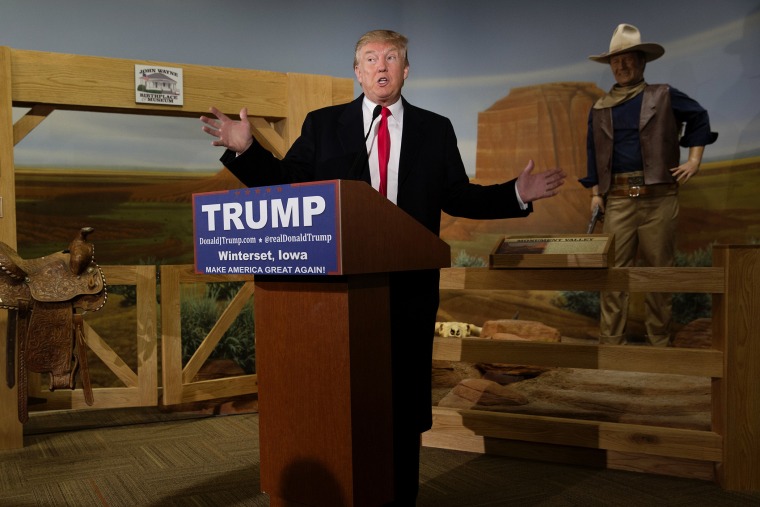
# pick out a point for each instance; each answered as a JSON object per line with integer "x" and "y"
{"x": 351, "y": 132}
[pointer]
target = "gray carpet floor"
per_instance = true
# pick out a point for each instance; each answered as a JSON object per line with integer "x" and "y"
{"x": 144, "y": 457}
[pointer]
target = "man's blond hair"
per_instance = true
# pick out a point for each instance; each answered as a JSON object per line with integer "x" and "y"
{"x": 394, "y": 38}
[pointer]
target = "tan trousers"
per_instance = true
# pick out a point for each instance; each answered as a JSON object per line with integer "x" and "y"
{"x": 646, "y": 226}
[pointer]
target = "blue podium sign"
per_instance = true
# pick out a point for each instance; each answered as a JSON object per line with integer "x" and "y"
{"x": 284, "y": 229}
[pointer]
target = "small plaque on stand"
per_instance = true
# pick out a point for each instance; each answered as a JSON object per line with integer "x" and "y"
{"x": 554, "y": 251}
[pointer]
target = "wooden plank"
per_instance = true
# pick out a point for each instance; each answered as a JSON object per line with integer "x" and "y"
{"x": 30, "y": 120}
{"x": 660, "y": 441}
{"x": 661, "y": 465}
{"x": 118, "y": 274}
{"x": 708, "y": 280}
{"x": 268, "y": 137}
{"x": 681, "y": 361}
{"x": 105, "y": 397}
{"x": 110, "y": 358}
{"x": 108, "y": 84}
{"x": 306, "y": 92}
{"x": 7, "y": 169}
{"x": 583, "y": 457}
{"x": 171, "y": 336}
{"x": 11, "y": 430}
{"x": 342, "y": 90}
{"x": 147, "y": 335}
{"x": 220, "y": 388}
{"x": 516, "y": 449}
{"x": 736, "y": 399}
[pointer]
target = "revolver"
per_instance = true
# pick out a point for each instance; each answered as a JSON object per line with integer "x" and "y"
{"x": 595, "y": 217}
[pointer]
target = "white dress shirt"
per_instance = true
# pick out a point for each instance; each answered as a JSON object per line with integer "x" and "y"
{"x": 395, "y": 126}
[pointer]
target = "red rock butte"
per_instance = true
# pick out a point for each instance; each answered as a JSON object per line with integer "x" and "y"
{"x": 546, "y": 123}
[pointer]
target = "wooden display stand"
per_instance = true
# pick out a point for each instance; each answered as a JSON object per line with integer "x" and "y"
{"x": 554, "y": 251}
{"x": 323, "y": 360}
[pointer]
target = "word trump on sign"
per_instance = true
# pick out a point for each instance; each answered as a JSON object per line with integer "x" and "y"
{"x": 289, "y": 213}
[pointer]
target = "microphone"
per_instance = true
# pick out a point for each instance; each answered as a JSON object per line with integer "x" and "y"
{"x": 362, "y": 155}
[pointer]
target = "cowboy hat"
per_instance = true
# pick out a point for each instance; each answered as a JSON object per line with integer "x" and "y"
{"x": 627, "y": 38}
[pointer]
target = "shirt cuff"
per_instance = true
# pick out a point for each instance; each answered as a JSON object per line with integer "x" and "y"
{"x": 523, "y": 206}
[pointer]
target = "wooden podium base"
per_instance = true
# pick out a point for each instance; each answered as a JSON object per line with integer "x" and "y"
{"x": 323, "y": 363}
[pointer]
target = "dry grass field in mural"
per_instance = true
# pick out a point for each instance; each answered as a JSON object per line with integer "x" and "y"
{"x": 138, "y": 217}
{"x": 147, "y": 217}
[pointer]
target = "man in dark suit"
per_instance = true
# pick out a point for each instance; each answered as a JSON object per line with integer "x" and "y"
{"x": 421, "y": 172}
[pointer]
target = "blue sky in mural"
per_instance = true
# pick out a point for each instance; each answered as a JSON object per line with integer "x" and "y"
{"x": 464, "y": 57}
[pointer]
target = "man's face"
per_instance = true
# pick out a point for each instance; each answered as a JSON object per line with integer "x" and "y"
{"x": 381, "y": 71}
{"x": 628, "y": 68}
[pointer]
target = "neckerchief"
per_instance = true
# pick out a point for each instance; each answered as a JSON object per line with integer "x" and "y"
{"x": 619, "y": 94}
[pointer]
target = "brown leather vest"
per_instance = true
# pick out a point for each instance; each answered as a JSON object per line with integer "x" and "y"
{"x": 658, "y": 131}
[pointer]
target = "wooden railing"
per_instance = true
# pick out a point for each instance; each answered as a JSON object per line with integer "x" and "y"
{"x": 729, "y": 452}
{"x": 178, "y": 384}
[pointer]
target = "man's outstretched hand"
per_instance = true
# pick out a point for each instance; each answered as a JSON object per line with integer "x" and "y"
{"x": 533, "y": 187}
{"x": 232, "y": 134}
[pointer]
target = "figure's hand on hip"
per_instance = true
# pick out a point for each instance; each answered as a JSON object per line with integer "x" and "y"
{"x": 685, "y": 171}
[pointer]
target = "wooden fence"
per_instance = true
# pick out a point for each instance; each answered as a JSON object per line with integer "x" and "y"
{"x": 729, "y": 452}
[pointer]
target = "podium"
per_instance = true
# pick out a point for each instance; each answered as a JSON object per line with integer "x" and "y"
{"x": 323, "y": 359}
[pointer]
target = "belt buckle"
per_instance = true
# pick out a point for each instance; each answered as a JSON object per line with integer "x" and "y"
{"x": 634, "y": 191}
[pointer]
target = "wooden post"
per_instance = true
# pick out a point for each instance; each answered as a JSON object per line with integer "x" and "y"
{"x": 736, "y": 399}
{"x": 11, "y": 430}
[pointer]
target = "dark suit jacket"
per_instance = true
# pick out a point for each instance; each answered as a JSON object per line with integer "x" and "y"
{"x": 432, "y": 178}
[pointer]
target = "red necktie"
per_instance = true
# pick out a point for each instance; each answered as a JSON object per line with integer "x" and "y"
{"x": 383, "y": 149}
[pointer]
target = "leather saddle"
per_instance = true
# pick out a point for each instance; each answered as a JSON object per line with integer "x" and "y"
{"x": 46, "y": 299}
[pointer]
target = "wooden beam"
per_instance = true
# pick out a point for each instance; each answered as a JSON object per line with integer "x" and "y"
{"x": 89, "y": 83}
{"x": 736, "y": 398}
{"x": 680, "y": 361}
{"x": 268, "y": 137}
{"x": 660, "y": 441}
{"x": 708, "y": 280}
{"x": 11, "y": 430}
{"x": 30, "y": 120}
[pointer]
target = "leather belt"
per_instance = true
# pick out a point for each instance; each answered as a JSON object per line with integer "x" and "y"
{"x": 641, "y": 190}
